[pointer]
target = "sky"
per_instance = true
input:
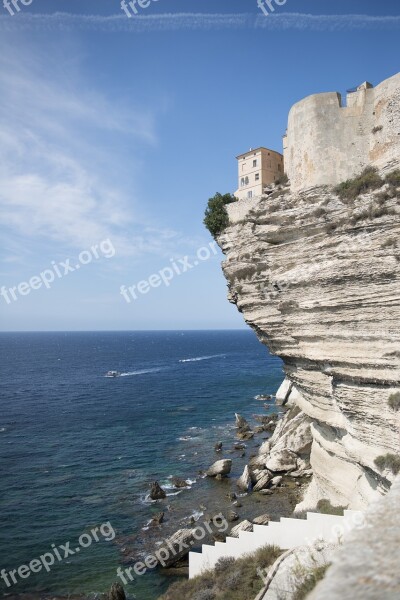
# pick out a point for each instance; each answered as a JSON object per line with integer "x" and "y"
{"x": 115, "y": 130}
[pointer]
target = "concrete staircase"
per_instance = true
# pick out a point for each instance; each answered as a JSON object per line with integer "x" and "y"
{"x": 286, "y": 534}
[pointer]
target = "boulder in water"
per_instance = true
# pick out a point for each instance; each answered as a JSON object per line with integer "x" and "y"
{"x": 243, "y": 526}
{"x": 241, "y": 423}
{"x": 116, "y": 592}
{"x": 220, "y": 468}
{"x": 156, "y": 491}
{"x": 244, "y": 482}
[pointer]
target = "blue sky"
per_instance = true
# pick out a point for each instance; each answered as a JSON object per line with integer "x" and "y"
{"x": 117, "y": 128}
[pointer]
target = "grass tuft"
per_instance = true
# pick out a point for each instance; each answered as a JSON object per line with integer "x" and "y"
{"x": 394, "y": 401}
{"x": 352, "y": 188}
{"x": 388, "y": 461}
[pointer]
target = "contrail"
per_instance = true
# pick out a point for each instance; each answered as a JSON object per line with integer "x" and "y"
{"x": 194, "y": 21}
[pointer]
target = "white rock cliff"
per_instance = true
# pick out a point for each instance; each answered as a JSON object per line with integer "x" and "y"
{"x": 317, "y": 279}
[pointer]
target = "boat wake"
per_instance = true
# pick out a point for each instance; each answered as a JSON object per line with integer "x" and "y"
{"x": 198, "y": 358}
{"x": 139, "y": 372}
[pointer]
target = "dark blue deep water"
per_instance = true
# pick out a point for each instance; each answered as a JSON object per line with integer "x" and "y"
{"x": 78, "y": 449}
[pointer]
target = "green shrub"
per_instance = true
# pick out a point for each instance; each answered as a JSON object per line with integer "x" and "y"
{"x": 367, "y": 181}
{"x": 216, "y": 218}
{"x": 326, "y": 508}
{"x": 224, "y": 564}
{"x": 394, "y": 401}
{"x": 231, "y": 580}
{"x": 309, "y": 583}
{"x": 393, "y": 178}
{"x": 282, "y": 179}
{"x": 388, "y": 461}
{"x": 204, "y": 595}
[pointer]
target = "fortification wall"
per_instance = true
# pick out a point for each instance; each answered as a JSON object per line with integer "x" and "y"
{"x": 327, "y": 143}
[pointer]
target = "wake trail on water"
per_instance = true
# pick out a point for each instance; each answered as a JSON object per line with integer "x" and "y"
{"x": 198, "y": 358}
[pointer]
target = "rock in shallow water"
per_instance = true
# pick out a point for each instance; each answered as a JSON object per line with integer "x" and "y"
{"x": 244, "y": 482}
{"x": 175, "y": 547}
{"x": 178, "y": 482}
{"x": 262, "y": 482}
{"x": 243, "y": 526}
{"x": 262, "y": 520}
{"x": 241, "y": 423}
{"x": 116, "y": 592}
{"x": 221, "y": 467}
{"x": 156, "y": 491}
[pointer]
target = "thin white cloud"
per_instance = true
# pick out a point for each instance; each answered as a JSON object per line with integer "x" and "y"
{"x": 55, "y": 166}
{"x": 195, "y": 21}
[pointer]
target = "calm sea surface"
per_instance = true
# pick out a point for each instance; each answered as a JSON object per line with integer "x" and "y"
{"x": 78, "y": 449}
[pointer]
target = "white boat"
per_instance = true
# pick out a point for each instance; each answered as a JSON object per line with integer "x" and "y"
{"x": 113, "y": 374}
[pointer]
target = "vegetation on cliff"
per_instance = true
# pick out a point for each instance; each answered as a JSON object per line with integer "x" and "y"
{"x": 367, "y": 181}
{"x": 230, "y": 580}
{"x": 216, "y": 218}
{"x": 388, "y": 461}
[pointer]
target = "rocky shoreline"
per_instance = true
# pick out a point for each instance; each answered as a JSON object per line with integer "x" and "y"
{"x": 258, "y": 475}
{"x": 274, "y": 450}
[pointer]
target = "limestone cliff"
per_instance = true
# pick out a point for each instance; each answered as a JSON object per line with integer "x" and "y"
{"x": 317, "y": 279}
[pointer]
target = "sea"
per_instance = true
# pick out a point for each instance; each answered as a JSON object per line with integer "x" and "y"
{"x": 79, "y": 450}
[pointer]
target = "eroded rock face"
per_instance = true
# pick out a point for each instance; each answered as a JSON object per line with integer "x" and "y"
{"x": 317, "y": 279}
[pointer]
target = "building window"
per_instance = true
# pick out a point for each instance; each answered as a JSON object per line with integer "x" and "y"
{"x": 279, "y": 167}
{"x": 246, "y": 181}
{"x": 257, "y": 176}
{"x": 254, "y": 163}
{"x": 250, "y": 194}
{"x": 242, "y": 182}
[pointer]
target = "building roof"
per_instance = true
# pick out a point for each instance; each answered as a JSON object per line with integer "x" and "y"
{"x": 256, "y": 150}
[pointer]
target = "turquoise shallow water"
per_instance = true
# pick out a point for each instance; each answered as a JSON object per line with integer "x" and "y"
{"x": 78, "y": 450}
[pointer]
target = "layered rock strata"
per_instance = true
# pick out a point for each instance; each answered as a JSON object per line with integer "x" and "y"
{"x": 317, "y": 279}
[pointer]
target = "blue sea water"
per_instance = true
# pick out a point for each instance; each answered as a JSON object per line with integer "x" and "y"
{"x": 78, "y": 449}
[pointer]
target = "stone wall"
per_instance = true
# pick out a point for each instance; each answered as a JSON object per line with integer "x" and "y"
{"x": 327, "y": 143}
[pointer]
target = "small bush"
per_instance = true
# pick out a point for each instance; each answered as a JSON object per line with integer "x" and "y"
{"x": 377, "y": 128}
{"x": 393, "y": 178}
{"x": 204, "y": 595}
{"x": 216, "y": 218}
{"x": 282, "y": 179}
{"x": 309, "y": 583}
{"x": 388, "y": 461}
{"x": 233, "y": 580}
{"x": 326, "y": 508}
{"x": 224, "y": 564}
{"x": 394, "y": 401}
{"x": 367, "y": 181}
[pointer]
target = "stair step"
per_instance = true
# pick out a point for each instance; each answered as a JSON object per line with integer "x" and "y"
{"x": 287, "y": 533}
